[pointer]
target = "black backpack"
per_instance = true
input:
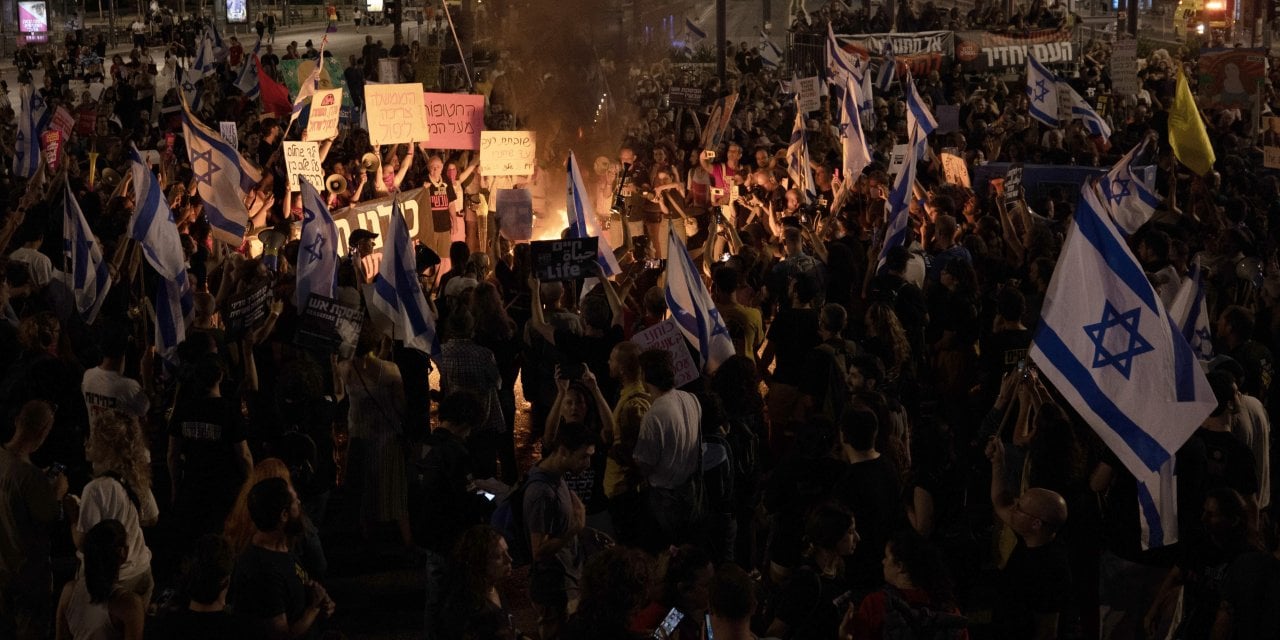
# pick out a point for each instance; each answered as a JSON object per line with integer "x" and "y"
{"x": 508, "y": 519}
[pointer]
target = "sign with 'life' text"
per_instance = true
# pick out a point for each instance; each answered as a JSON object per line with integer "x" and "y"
{"x": 570, "y": 259}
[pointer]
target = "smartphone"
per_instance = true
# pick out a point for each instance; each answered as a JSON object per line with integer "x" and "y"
{"x": 56, "y": 469}
{"x": 1022, "y": 367}
{"x": 711, "y": 635}
{"x": 653, "y": 263}
{"x": 717, "y": 193}
{"x": 487, "y": 496}
{"x": 711, "y": 155}
{"x": 734, "y": 192}
{"x": 668, "y": 625}
{"x": 724, "y": 257}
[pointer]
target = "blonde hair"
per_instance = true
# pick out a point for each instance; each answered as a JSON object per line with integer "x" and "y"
{"x": 238, "y": 528}
{"x": 117, "y": 445}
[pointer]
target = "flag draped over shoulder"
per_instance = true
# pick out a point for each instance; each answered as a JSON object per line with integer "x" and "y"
{"x": 798, "y": 165}
{"x": 397, "y": 292}
{"x": 691, "y": 306}
{"x": 152, "y": 226}
{"x": 1042, "y": 93}
{"x": 222, "y": 179}
{"x": 33, "y": 115}
{"x": 854, "y": 143}
{"x": 318, "y": 248}
{"x": 1191, "y": 314}
{"x": 582, "y": 219}
{"x": 1107, "y": 344}
{"x": 1187, "y": 135}
{"x": 920, "y": 123}
{"x": 88, "y": 275}
{"x": 1128, "y": 189}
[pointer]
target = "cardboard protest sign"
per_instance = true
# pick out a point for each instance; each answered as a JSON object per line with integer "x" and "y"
{"x": 229, "y": 133}
{"x": 807, "y": 94}
{"x": 388, "y": 70}
{"x": 1230, "y": 78}
{"x": 303, "y": 159}
{"x": 897, "y": 159}
{"x": 666, "y": 336}
{"x": 77, "y": 88}
{"x": 51, "y": 143}
{"x": 63, "y": 121}
{"x": 455, "y": 120}
{"x": 507, "y": 153}
{"x": 685, "y": 96}
{"x": 395, "y": 113}
{"x": 954, "y": 168}
{"x": 248, "y": 309}
{"x": 326, "y": 325}
{"x": 1124, "y": 67}
{"x": 326, "y": 110}
{"x": 514, "y": 208}
{"x": 557, "y": 260}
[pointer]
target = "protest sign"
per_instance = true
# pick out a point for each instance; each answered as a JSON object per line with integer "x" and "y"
{"x": 807, "y": 94}
{"x": 507, "y": 153}
{"x": 514, "y": 208}
{"x": 428, "y": 68}
{"x": 557, "y": 260}
{"x": 1124, "y": 67}
{"x": 229, "y": 133}
{"x": 96, "y": 89}
{"x": 326, "y": 325}
{"x": 63, "y": 121}
{"x": 988, "y": 51}
{"x": 455, "y": 120}
{"x": 954, "y": 168}
{"x": 718, "y": 121}
{"x": 1013, "y": 185}
{"x": 51, "y": 143}
{"x": 326, "y": 110}
{"x": 375, "y": 216}
{"x": 295, "y": 72}
{"x": 303, "y": 159}
{"x": 685, "y": 96}
{"x": 396, "y": 113}
{"x": 1271, "y": 142}
{"x": 1230, "y": 78}
{"x": 666, "y": 336}
{"x": 897, "y": 159}
{"x": 921, "y": 52}
{"x": 248, "y": 309}
{"x": 388, "y": 70}
{"x": 77, "y": 88}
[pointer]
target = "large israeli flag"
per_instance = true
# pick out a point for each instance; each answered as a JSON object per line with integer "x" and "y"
{"x": 1083, "y": 111}
{"x": 920, "y": 123}
{"x": 247, "y": 80}
{"x": 33, "y": 115}
{"x": 1128, "y": 189}
{"x": 88, "y": 275}
{"x": 852, "y": 140}
{"x": 222, "y": 179}
{"x": 397, "y": 292}
{"x": 1042, "y": 93}
{"x": 691, "y": 306}
{"x": 1191, "y": 314}
{"x": 152, "y": 226}
{"x": 694, "y": 30}
{"x": 841, "y": 65}
{"x": 318, "y": 248}
{"x": 582, "y": 219}
{"x": 1108, "y": 346}
{"x": 798, "y": 165}
{"x": 888, "y": 68}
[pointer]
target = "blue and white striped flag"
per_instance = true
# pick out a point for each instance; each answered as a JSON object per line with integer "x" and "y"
{"x": 866, "y": 100}
{"x": 582, "y": 219}
{"x": 308, "y": 87}
{"x": 152, "y": 226}
{"x": 888, "y": 69}
{"x": 88, "y": 274}
{"x": 691, "y": 306}
{"x": 852, "y": 140}
{"x": 920, "y": 123}
{"x": 1191, "y": 314}
{"x": 1081, "y": 110}
{"x": 770, "y": 53}
{"x": 397, "y": 292}
{"x": 693, "y": 29}
{"x": 1128, "y": 189}
{"x": 841, "y": 65}
{"x": 247, "y": 81}
{"x": 1107, "y": 344}
{"x": 798, "y": 165}
{"x": 33, "y": 115}
{"x": 1042, "y": 93}
{"x": 222, "y": 179}
{"x": 318, "y": 248}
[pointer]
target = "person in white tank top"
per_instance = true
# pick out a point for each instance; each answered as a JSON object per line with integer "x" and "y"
{"x": 92, "y": 607}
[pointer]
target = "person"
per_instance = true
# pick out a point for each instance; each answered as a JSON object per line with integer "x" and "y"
{"x": 271, "y": 28}
{"x": 615, "y": 584}
{"x": 581, "y": 401}
{"x": 105, "y": 387}
{"x": 792, "y": 335}
{"x": 479, "y": 562}
{"x": 744, "y": 323}
{"x": 685, "y": 587}
{"x": 813, "y": 597}
{"x": 121, "y": 491}
{"x": 467, "y": 366}
{"x": 622, "y": 480}
{"x": 733, "y": 603}
{"x": 93, "y": 605}
{"x": 29, "y": 507}
{"x": 668, "y": 450}
{"x": 238, "y": 528}
{"x": 275, "y": 595}
{"x": 914, "y": 576}
{"x": 826, "y": 387}
{"x": 554, "y": 517}
{"x": 870, "y": 490}
{"x": 447, "y": 479}
{"x": 206, "y": 583}
{"x": 359, "y": 18}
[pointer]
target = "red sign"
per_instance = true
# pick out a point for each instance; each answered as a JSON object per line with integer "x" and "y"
{"x": 51, "y": 142}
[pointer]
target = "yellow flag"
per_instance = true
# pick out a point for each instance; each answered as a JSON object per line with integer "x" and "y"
{"x": 1187, "y": 135}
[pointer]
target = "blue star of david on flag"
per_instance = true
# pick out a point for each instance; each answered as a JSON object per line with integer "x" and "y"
{"x": 210, "y": 167}
{"x": 1041, "y": 90}
{"x": 1120, "y": 190}
{"x": 37, "y": 103}
{"x": 1134, "y": 344}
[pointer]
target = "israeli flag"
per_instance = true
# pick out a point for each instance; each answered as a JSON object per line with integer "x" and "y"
{"x": 153, "y": 228}
{"x": 920, "y": 123}
{"x": 866, "y": 100}
{"x": 1081, "y": 110}
{"x": 397, "y": 292}
{"x": 247, "y": 80}
{"x": 87, "y": 274}
{"x": 854, "y": 144}
{"x": 1191, "y": 314}
{"x": 318, "y": 249}
{"x": 693, "y": 29}
{"x": 305, "y": 91}
{"x": 33, "y": 115}
{"x": 798, "y": 165}
{"x": 770, "y": 54}
{"x": 841, "y": 65}
{"x": 1107, "y": 344}
{"x": 691, "y": 306}
{"x": 1128, "y": 189}
{"x": 888, "y": 69}
{"x": 582, "y": 219}
{"x": 1042, "y": 93}
{"x": 222, "y": 179}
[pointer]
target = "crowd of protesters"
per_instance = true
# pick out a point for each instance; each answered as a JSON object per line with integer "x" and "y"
{"x": 879, "y": 459}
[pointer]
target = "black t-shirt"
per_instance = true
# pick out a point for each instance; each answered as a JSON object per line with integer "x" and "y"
{"x": 872, "y": 492}
{"x": 1251, "y": 592}
{"x": 200, "y": 625}
{"x": 210, "y": 429}
{"x": 594, "y": 352}
{"x": 440, "y": 196}
{"x": 812, "y": 604}
{"x": 1229, "y": 462}
{"x": 450, "y": 507}
{"x": 1204, "y": 568}
{"x": 1034, "y": 581}
{"x": 268, "y": 583}
{"x": 794, "y": 333}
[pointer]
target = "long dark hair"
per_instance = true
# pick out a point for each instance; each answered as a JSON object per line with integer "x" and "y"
{"x": 102, "y": 545}
{"x": 492, "y": 321}
{"x": 923, "y": 563}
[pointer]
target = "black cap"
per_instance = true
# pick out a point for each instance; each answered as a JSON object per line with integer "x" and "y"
{"x": 360, "y": 234}
{"x": 425, "y": 258}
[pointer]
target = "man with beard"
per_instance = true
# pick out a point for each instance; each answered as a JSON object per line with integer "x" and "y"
{"x": 268, "y": 587}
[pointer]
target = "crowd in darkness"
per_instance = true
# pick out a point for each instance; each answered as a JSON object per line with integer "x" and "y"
{"x": 879, "y": 458}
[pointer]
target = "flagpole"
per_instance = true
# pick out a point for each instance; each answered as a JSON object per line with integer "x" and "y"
{"x": 465, "y": 70}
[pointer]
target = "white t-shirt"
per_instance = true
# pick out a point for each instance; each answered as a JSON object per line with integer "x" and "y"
{"x": 40, "y": 266}
{"x": 106, "y": 499}
{"x": 668, "y": 439}
{"x": 104, "y": 390}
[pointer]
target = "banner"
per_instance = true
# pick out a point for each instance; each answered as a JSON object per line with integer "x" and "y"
{"x": 807, "y": 93}
{"x": 666, "y": 336}
{"x": 374, "y": 216}
{"x": 326, "y": 110}
{"x": 295, "y": 72}
{"x": 685, "y": 96}
{"x": 229, "y": 133}
{"x": 921, "y": 52}
{"x": 326, "y": 325}
{"x": 237, "y": 12}
{"x": 455, "y": 120}
{"x": 985, "y": 51}
{"x": 1230, "y": 78}
{"x": 514, "y": 208}
{"x": 559, "y": 260}
{"x": 303, "y": 159}
{"x": 396, "y": 113}
{"x": 508, "y": 153}
{"x": 32, "y": 17}
{"x": 1124, "y": 67}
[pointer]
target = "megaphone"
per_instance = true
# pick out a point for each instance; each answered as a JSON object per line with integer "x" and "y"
{"x": 110, "y": 178}
{"x": 369, "y": 161}
{"x": 272, "y": 238}
{"x": 335, "y": 184}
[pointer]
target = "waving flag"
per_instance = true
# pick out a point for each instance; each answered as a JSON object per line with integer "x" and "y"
{"x": 1191, "y": 314}
{"x": 582, "y": 219}
{"x": 693, "y": 29}
{"x": 1128, "y": 189}
{"x": 1187, "y": 135}
{"x": 1081, "y": 110}
{"x": 920, "y": 123}
{"x": 222, "y": 178}
{"x": 32, "y": 118}
{"x": 318, "y": 249}
{"x": 153, "y": 228}
{"x": 89, "y": 278}
{"x": 841, "y": 65}
{"x": 867, "y": 102}
{"x": 798, "y": 165}
{"x": 888, "y": 69}
{"x": 308, "y": 86}
{"x": 1042, "y": 91}
{"x": 397, "y": 292}
{"x": 247, "y": 80}
{"x": 769, "y": 52}
{"x": 691, "y": 306}
{"x": 854, "y": 144}
{"x": 275, "y": 96}
{"x": 1107, "y": 344}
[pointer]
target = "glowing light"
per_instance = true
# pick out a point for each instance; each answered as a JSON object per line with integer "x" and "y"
{"x": 1200, "y": 28}
{"x": 1215, "y": 5}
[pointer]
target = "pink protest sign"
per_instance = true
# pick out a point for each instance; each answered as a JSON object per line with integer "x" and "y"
{"x": 455, "y": 119}
{"x": 666, "y": 336}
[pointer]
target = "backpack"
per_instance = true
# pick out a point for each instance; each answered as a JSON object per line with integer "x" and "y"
{"x": 839, "y": 387}
{"x": 718, "y": 481}
{"x": 508, "y": 519}
{"x": 744, "y": 452}
{"x": 905, "y": 621}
